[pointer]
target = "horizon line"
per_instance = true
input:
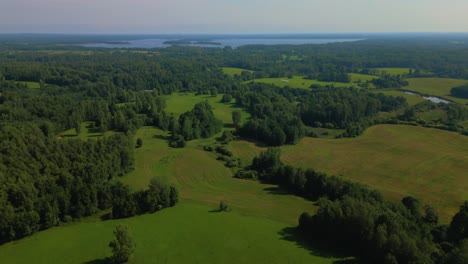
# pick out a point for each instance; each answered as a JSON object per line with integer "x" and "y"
{"x": 228, "y": 34}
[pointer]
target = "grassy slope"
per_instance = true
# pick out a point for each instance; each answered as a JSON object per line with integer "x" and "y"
{"x": 436, "y": 86}
{"x": 187, "y": 233}
{"x": 397, "y": 160}
{"x": 233, "y": 71}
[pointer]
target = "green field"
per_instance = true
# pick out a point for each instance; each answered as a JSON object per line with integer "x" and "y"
{"x": 234, "y": 71}
{"x": 394, "y": 71}
{"x": 437, "y": 87}
{"x": 86, "y": 132}
{"x": 32, "y": 85}
{"x": 183, "y": 102}
{"x": 187, "y": 233}
{"x": 300, "y": 82}
{"x": 412, "y": 99}
{"x": 398, "y": 160}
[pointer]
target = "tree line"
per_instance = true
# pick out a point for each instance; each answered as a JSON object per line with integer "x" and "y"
{"x": 279, "y": 116}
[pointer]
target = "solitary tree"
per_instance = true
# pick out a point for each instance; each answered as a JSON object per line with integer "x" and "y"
{"x": 236, "y": 118}
{"x": 122, "y": 246}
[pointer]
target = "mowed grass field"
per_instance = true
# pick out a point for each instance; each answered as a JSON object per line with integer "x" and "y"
{"x": 187, "y": 233}
{"x": 397, "y": 160}
{"x": 300, "y": 82}
{"x": 234, "y": 71}
{"x": 436, "y": 86}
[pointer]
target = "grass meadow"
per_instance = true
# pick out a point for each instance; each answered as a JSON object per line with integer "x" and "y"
{"x": 300, "y": 82}
{"x": 437, "y": 87}
{"x": 397, "y": 160}
{"x": 187, "y": 233}
{"x": 32, "y": 85}
{"x": 234, "y": 71}
{"x": 183, "y": 102}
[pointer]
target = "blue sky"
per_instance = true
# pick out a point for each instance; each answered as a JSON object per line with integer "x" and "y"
{"x": 233, "y": 16}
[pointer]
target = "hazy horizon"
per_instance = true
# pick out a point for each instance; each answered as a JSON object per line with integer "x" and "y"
{"x": 240, "y": 17}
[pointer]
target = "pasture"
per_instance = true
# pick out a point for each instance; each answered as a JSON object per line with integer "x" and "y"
{"x": 398, "y": 160}
{"x": 437, "y": 87}
{"x": 187, "y": 233}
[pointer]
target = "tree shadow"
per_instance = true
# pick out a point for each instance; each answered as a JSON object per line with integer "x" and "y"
{"x": 94, "y": 130}
{"x": 317, "y": 248}
{"x": 162, "y": 137}
{"x": 256, "y": 142}
{"x": 106, "y": 216}
{"x": 99, "y": 261}
{"x": 277, "y": 191}
{"x": 93, "y": 136}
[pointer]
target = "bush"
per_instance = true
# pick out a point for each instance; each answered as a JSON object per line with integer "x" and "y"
{"x": 208, "y": 148}
{"x": 246, "y": 174}
{"x": 313, "y": 134}
{"x": 223, "y": 151}
{"x": 223, "y": 207}
{"x": 179, "y": 142}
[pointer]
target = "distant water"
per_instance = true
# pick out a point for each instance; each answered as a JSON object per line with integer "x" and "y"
{"x": 436, "y": 99}
{"x": 234, "y": 42}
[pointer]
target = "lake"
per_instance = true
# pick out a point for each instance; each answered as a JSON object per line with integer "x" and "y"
{"x": 232, "y": 42}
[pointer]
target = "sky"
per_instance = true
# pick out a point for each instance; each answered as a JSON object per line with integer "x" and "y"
{"x": 231, "y": 16}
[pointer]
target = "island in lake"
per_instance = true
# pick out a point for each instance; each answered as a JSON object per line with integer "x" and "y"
{"x": 191, "y": 42}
